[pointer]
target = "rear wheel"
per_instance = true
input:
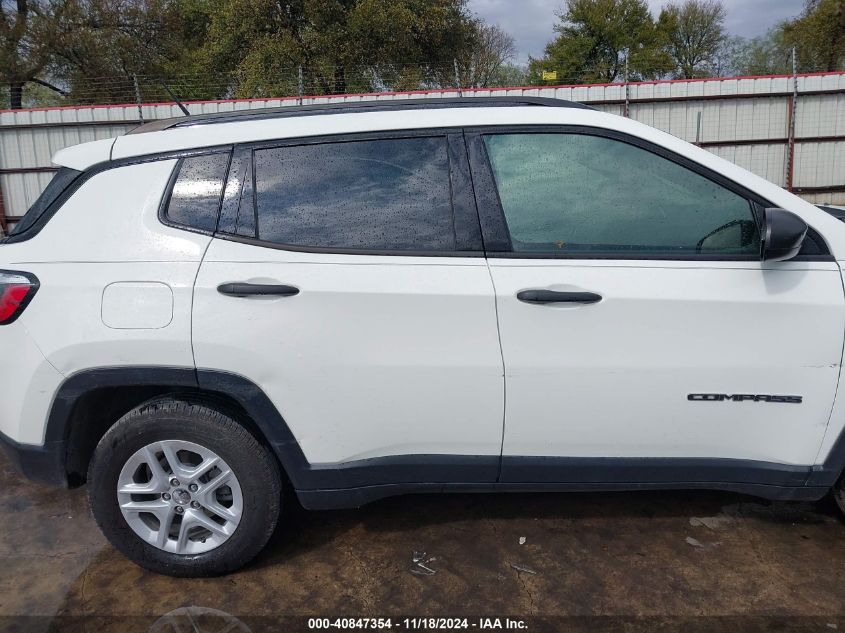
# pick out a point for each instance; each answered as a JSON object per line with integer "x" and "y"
{"x": 183, "y": 489}
{"x": 838, "y": 492}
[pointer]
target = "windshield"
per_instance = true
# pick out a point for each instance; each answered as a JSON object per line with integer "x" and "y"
{"x": 61, "y": 181}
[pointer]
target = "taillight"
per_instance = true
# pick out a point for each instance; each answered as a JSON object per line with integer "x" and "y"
{"x": 16, "y": 291}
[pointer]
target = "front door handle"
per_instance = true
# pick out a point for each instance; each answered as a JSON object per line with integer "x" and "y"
{"x": 242, "y": 289}
{"x": 553, "y": 296}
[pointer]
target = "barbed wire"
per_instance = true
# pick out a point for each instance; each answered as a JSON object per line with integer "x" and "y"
{"x": 287, "y": 82}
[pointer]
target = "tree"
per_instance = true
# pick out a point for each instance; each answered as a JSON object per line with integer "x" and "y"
{"x": 511, "y": 75}
{"x": 758, "y": 56}
{"x": 694, "y": 32}
{"x": 24, "y": 45}
{"x": 93, "y": 50}
{"x": 89, "y": 50}
{"x": 341, "y": 45}
{"x": 484, "y": 62}
{"x": 594, "y": 38}
{"x": 725, "y": 59}
{"x": 100, "y": 46}
{"x": 818, "y": 35}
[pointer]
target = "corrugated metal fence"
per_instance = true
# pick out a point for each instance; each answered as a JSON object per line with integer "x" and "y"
{"x": 747, "y": 120}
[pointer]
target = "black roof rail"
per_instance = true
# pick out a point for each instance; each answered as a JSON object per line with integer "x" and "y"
{"x": 373, "y": 105}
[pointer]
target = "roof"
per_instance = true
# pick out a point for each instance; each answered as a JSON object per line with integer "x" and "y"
{"x": 347, "y": 107}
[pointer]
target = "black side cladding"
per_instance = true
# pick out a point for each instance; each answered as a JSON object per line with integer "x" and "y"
{"x": 353, "y": 483}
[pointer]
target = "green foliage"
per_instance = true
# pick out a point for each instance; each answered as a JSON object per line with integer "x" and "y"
{"x": 32, "y": 95}
{"x": 92, "y": 50}
{"x": 593, "y": 37}
{"x": 510, "y": 75}
{"x": 341, "y": 45}
{"x": 485, "y": 62}
{"x": 96, "y": 43}
{"x": 694, "y": 34}
{"x": 818, "y": 36}
{"x": 25, "y": 33}
{"x": 758, "y": 56}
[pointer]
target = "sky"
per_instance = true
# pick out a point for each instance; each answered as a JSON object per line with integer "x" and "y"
{"x": 530, "y": 22}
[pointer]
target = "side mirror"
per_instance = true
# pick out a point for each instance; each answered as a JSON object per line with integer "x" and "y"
{"x": 783, "y": 235}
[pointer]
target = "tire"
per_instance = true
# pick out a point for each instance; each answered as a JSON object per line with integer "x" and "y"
{"x": 838, "y": 494}
{"x": 186, "y": 548}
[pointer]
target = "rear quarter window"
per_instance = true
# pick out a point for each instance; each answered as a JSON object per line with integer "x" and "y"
{"x": 196, "y": 192}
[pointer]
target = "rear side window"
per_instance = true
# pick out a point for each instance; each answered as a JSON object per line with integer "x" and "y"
{"x": 61, "y": 181}
{"x": 381, "y": 195}
{"x": 197, "y": 189}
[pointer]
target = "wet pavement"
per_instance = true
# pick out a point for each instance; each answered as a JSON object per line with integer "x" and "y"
{"x": 620, "y": 561}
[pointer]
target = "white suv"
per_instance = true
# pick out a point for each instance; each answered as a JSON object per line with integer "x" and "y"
{"x": 379, "y": 298}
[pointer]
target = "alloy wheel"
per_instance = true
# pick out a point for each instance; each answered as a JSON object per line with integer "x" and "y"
{"x": 180, "y": 497}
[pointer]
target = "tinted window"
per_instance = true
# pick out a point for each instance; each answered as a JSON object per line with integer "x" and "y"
{"x": 391, "y": 194}
{"x": 197, "y": 190}
{"x": 61, "y": 181}
{"x": 574, "y": 192}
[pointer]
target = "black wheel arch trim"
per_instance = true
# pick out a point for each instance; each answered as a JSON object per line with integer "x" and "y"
{"x": 829, "y": 472}
{"x": 266, "y": 417}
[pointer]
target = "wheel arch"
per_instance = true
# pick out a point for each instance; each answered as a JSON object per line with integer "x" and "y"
{"x": 89, "y": 402}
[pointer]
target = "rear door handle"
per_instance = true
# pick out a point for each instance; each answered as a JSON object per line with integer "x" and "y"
{"x": 553, "y": 296}
{"x": 242, "y": 289}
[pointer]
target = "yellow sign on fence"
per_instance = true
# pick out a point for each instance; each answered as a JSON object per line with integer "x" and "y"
{"x": 549, "y": 75}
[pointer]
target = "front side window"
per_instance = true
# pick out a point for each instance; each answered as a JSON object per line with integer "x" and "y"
{"x": 571, "y": 193}
{"x": 385, "y": 194}
{"x": 195, "y": 197}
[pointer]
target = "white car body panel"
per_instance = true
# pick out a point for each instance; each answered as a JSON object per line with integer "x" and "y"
{"x": 376, "y": 356}
{"x": 29, "y": 382}
{"x": 84, "y": 155}
{"x": 75, "y": 265}
{"x": 611, "y": 379}
{"x": 113, "y": 217}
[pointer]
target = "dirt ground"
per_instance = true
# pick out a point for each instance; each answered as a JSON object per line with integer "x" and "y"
{"x": 670, "y": 561}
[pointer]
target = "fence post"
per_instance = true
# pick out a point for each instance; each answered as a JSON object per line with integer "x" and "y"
{"x": 793, "y": 105}
{"x": 627, "y": 111}
{"x": 300, "y": 87}
{"x": 138, "y": 98}
{"x": 4, "y": 227}
{"x": 698, "y": 129}
{"x": 457, "y": 78}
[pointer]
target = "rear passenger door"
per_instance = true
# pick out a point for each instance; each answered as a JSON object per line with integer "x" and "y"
{"x": 347, "y": 280}
{"x": 633, "y": 306}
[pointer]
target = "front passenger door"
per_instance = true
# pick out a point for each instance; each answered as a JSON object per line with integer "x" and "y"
{"x": 627, "y": 282}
